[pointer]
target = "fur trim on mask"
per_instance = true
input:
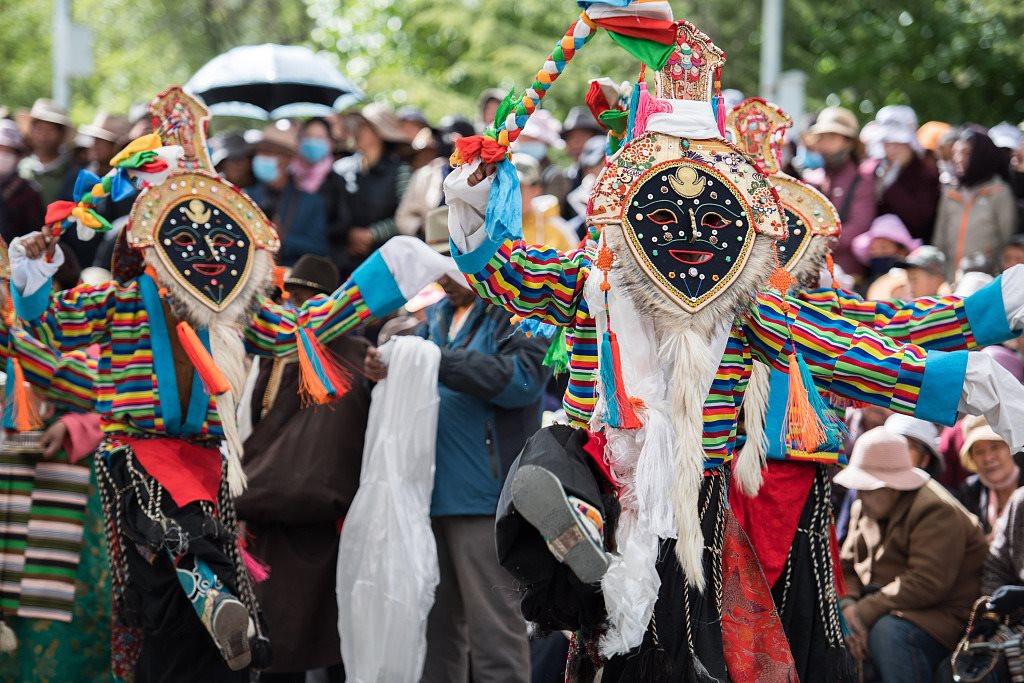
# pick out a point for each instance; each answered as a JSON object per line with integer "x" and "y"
{"x": 684, "y": 341}
{"x": 186, "y": 307}
{"x": 752, "y": 458}
{"x": 807, "y": 270}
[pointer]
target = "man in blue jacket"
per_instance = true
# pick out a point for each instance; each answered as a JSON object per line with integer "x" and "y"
{"x": 490, "y": 383}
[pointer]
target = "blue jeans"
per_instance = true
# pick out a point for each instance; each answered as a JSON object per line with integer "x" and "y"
{"x": 903, "y": 652}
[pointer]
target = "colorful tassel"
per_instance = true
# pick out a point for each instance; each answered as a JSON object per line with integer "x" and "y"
{"x": 719, "y": 102}
{"x": 213, "y": 379}
{"x": 830, "y": 266}
{"x": 26, "y": 412}
{"x": 258, "y": 571}
{"x": 557, "y": 356}
{"x": 621, "y": 411}
{"x": 278, "y": 279}
{"x": 806, "y": 430}
{"x": 321, "y": 379}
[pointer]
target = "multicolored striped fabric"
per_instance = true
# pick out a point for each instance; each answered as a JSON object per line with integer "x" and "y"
{"x": 42, "y": 513}
{"x": 934, "y": 323}
{"x": 117, "y": 318}
{"x": 939, "y": 323}
{"x": 844, "y": 357}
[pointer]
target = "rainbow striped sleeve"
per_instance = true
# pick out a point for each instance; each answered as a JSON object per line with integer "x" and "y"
{"x": 855, "y": 361}
{"x": 66, "y": 379}
{"x": 530, "y": 281}
{"x": 71, "y": 319}
{"x": 271, "y": 330}
{"x": 947, "y": 323}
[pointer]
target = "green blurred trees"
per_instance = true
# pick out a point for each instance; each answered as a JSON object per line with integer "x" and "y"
{"x": 951, "y": 59}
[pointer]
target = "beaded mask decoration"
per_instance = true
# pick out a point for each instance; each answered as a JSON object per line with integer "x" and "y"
{"x": 689, "y": 208}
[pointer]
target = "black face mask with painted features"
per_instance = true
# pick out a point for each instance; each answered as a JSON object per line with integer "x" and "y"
{"x": 207, "y": 247}
{"x": 797, "y": 235}
{"x": 691, "y": 227}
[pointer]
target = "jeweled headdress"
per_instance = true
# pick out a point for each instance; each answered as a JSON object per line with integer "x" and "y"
{"x": 758, "y": 128}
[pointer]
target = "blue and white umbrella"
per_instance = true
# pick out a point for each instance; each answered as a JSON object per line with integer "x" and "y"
{"x": 272, "y": 82}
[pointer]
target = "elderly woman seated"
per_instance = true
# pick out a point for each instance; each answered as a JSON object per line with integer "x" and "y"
{"x": 912, "y": 562}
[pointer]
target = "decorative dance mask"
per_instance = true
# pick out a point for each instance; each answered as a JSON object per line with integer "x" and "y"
{"x": 205, "y": 231}
{"x": 689, "y": 204}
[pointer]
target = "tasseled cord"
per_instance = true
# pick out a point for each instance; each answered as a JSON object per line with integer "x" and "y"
{"x": 258, "y": 571}
{"x": 806, "y": 427}
{"x": 322, "y": 379}
{"x": 218, "y": 386}
{"x": 718, "y": 102}
{"x": 25, "y": 407}
{"x": 621, "y": 408}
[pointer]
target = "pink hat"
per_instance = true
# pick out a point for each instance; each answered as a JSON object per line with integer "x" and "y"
{"x": 881, "y": 459}
{"x": 889, "y": 227}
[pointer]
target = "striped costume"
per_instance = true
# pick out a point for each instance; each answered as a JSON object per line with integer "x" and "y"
{"x": 795, "y": 550}
{"x": 845, "y": 358}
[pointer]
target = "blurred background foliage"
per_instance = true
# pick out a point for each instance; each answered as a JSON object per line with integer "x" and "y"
{"x": 954, "y": 60}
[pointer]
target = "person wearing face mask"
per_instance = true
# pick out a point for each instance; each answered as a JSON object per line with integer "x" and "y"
{"x": 911, "y": 562}
{"x": 299, "y": 216}
{"x": 848, "y": 184}
{"x": 907, "y": 183}
{"x": 979, "y": 214}
{"x": 21, "y": 207}
{"x": 374, "y": 180}
{"x": 886, "y": 243}
{"x": 996, "y": 472}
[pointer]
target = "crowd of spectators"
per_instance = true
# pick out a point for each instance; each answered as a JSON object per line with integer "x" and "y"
{"x": 930, "y": 521}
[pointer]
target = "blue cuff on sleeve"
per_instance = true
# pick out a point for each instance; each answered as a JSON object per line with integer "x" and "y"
{"x": 377, "y": 285}
{"x": 986, "y": 314}
{"x": 474, "y": 261}
{"x": 34, "y": 305}
{"x": 941, "y": 387}
{"x": 775, "y": 415}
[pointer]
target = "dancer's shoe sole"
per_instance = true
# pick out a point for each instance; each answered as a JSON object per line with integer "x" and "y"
{"x": 230, "y": 632}
{"x": 540, "y": 498}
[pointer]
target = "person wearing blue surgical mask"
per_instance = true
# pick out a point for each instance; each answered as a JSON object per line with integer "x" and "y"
{"x": 299, "y": 216}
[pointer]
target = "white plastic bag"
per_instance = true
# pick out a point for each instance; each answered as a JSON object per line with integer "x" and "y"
{"x": 387, "y": 558}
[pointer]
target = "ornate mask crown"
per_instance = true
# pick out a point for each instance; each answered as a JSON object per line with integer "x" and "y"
{"x": 690, "y": 207}
{"x": 204, "y": 230}
{"x": 758, "y": 128}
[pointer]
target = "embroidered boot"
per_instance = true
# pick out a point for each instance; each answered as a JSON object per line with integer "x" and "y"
{"x": 223, "y": 615}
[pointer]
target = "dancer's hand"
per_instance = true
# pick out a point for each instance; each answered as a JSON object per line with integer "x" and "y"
{"x": 53, "y": 439}
{"x": 482, "y": 172}
{"x": 37, "y": 244}
{"x": 374, "y": 366}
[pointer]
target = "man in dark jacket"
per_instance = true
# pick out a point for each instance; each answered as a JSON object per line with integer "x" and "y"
{"x": 490, "y": 382}
{"x": 21, "y": 207}
{"x": 303, "y": 467}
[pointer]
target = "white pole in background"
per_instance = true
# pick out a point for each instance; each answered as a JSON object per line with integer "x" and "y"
{"x": 61, "y": 30}
{"x": 771, "y": 48}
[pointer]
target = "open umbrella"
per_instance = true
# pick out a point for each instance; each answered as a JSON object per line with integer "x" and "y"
{"x": 271, "y": 82}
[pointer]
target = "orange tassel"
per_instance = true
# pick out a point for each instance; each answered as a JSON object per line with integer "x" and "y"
{"x": 322, "y": 380}
{"x": 26, "y": 412}
{"x": 213, "y": 379}
{"x": 151, "y": 272}
{"x": 805, "y": 429}
{"x": 830, "y": 266}
{"x": 278, "y": 278}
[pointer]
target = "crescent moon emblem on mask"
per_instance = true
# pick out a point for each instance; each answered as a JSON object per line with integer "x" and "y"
{"x": 686, "y": 183}
{"x": 197, "y": 211}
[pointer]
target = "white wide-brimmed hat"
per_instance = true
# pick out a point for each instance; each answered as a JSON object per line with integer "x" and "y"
{"x": 881, "y": 459}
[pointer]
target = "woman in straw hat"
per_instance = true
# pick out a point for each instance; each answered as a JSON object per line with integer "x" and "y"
{"x": 996, "y": 475}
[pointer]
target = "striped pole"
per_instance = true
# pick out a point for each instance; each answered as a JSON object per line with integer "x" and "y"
{"x": 574, "y": 39}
